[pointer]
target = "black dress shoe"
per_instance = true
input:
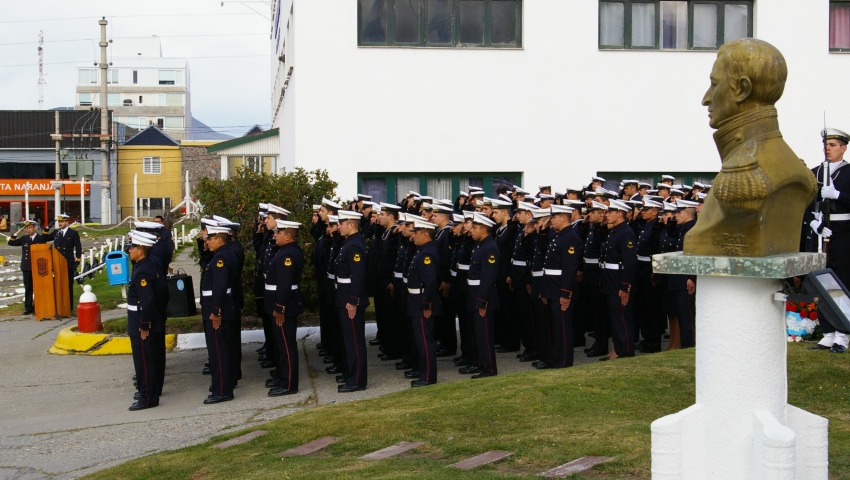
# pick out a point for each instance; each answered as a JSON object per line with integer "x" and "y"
{"x": 280, "y": 391}
{"x": 591, "y": 334}
{"x": 375, "y": 342}
{"x": 273, "y": 373}
{"x": 481, "y": 375}
{"x": 818, "y": 346}
{"x": 267, "y": 364}
{"x": 137, "y": 396}
{"x": 647, "y": 348}
{"x": 328, "y": 359}
{"x": 262, "y": 358}
{"x": 138, "y": 406}
{"x": 349, "y": 388}
{"x": 412, "y": 374}
{"x": 444, "y": 353}
{"x": 457, "y": 358}
{"x": 210, "y": 389}
{"x": 385, "y": 357}
{"x": 588, "y": 349}
{"x": 206, "y": 371}
{"x": 462, "y": 362}
{"x": 333, "y": 369}
{"x": 420, "y": 383}
{"x": 272, "y": 382}
{"x": 469, "y": 369}
{"x": 323, "y": 353}
{"x": 596, "y": 353}
{"x": 542, "y": 365}
{"x": 134, "y": 378}
{"x": 402, "y": 366}
{"x": 320, "y": 345}
{"x": 381, "y": 348}
{"x": 340, "y": 379}
{"x": 836, "y": 348}
{"x": 218, "y": 399}
{"x": 606, "y": 358}
{"x": 526, "y": 358}
{"x": 507, "y": 350}
{"x": 261, "y": 349}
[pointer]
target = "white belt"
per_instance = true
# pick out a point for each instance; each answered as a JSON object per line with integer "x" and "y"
{"x": 274, "y": 287}
{"x": 519, "y": 263}
{"x": 592, "y": 261}
{"x": 414, "y": 291}
{"x": 343, "y": 280}
{"x": 839, "y": 217}
{"x": 473, "y": 282}
{"x": 461, "y": 266}
{"x": 132, "y": 308}
{"x": 644, "y": 259}
{"x": 537, "y": 274}
{"x": 398, "y": 274}
{"x": 208, "y": 293}
{"x": 331, "y": 276}
{"x": 404, "y": 279}
{"x": 454, "y": 273}
{"x": 549, "y": 271}
{"x": 611, "y": 266}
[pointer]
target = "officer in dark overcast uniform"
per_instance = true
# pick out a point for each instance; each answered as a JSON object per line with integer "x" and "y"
{"x": 30, "y": 238}
{"x": 483, "y": 298}
{"x": 423, "y": 301}
{"x": 351, "y": 300}
{"x": 619, "y": 269}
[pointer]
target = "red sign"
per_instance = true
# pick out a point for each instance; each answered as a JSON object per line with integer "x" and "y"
{"x": 38, "y": 187}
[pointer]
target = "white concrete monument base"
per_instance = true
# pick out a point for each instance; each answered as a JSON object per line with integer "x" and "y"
{"x": 741, "y": 426}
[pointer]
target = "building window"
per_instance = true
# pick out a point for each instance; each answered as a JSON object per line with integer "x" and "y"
{"x": 88, "y": 76}
{"x": 839, "y": 26}
{"x": 135, "y": 77}
{"x": 171, "y": 77}
{"x": 174, "y": 122}
{"x": 673, "y": 25}
{"x": 111, "y": 76}
{"x": 85, "y": 99}
{"x": 113, "y": 99}
{"x": 376, "y": 188}
{"x": 151, "y": 165}
{"x": 440, "y": 23}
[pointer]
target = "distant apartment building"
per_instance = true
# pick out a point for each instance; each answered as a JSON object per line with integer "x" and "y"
{"x": 143, "y": 87}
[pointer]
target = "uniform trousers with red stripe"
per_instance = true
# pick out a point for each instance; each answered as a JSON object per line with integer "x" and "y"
{"x": 423, "y": 333}
{"x": 219, "y": 350}
{"x": 287, "y": 352}
{"x": 146, "y": 363}
{"x": 485, "y": 338}
{"x": 686, "y": 308}
{"x": 561, "y": 334}
{"x": 543, "y": 324}
{"x": 354, "y": 340}
{"x": 622, "y": 325}
{"x": 522, "y": 310}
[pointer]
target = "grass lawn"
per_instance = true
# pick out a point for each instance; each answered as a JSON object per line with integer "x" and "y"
{"x": 194, "y": 324}
{"x": 546, "y": 418}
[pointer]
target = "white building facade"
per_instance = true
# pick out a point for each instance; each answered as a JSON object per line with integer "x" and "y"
{"x": 433, "y": 95}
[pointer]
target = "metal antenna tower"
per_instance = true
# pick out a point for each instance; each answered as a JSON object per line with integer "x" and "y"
{"x": 41, "y": 81}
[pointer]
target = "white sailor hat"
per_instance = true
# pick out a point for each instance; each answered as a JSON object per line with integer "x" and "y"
{"x": 656, "y": 198}
{"x": 370, "y": 204}
{"x": 264, "y": 207}
{"x": 505, "y": 198}
{"x": 525, "y": 206}
{"x": 147, "y": 225}
{"x": 463, "y": 194}
{"x": 699, "y": 185}
{"x": 597, "y": 179}
{"x": 594, "y": 205}
{"x": 573, "y": 190}
{"x": 557, "y": 209}
{"x": 677, "y": 186}
{"x": 390, "y": 206}
{"x": 426, "y": 206}
{"x": 476, "y": 193}
{"x": 376, "y": 207}
{"x": 423, "y": 225}
{"x": 333, "y": 219}
{"x": 668, "y": 177}
{"x": 208, "y": 221}
{"x": 670, "y": 207}
{"x": 614, "y": 204}
{"x": 540, "y": 213}
{"x": 482, "y": 219}
{"x": 544, "y": 187}
{"x": 633, "y": 203}
{"x": 676, "y": 191}
{"x": 316, "y": 208}
{"x": 630, "y": 182}
{"x": 647, "y": 204}
{"x": 212, "y": 230}
{"x": 589, "y": 193}
{"x": 457, "y": 218}
{"x": 830, "y": 133}
{"x": 604, "y": 192}
{"x": 545, "y": 196}
{"x": 707, "y": 187}
{"x": 501, "y": 204}
{"x": 473, "y": 187}
{"x": 27, "y": 223}
{"x": 411, "y": 218}
{"x": 531, "y": 199}
{"x": 63, "y": 216}
{"x": 281, "y": 224}
{"x": 662, "y": 186}
{"x": 479, "y": 203}
{"x": 426, "y": 198}
{"x": 411, "y": 193}
{"x": 468, "y": 215}
{"x": 331, "y": 203}
{"x": 701, "y": 197}
{"x": 437, "y": 208}
{"x": 521, "y": 191}
{"x": 443, "y": 201}
{"x": 686, "y": 204}
{"x": 275, "y": 209}
{"x": 142, "y": 238}
{"x": 572, "y": 203}
{"x": 361, "y": 196}
{"x": 644, "y": 185}
{"x": 349, "y": 215}
{"x": 225, "y": 222}
{"x": 559, "y": 194}
{"x": 686, "y": 188}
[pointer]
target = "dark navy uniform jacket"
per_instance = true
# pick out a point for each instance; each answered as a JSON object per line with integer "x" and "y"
{"x": 422, "y": 282}
{"x": 619, "y": 249}
{"x": 351, "y": 273}
{"x": 25, "y": 242}
{"x": 162, "y": 251}
{"x": 541, "y": 244}
{"x": 840, "y": 179}
{"x": 563, "y": 258}
{"x": 505, "y": 238}
{"x": 386, "y": 250}
{"x": 680, "y": 282}
{"x": 67, "y": 243}
{"x": 283, "y": 294}
{"x": 220, "y": 276}
{"x": 521, "y": 258}
{"x": 483, "y": 270}
{"x": 143, "y": 294}
{"x": 647, "y": 242}
{"x": 442, "y": 240}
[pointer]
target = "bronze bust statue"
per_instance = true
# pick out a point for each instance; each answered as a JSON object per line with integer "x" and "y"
{"x": 756, "y": 204}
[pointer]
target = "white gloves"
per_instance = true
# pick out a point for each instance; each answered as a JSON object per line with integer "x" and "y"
{"x": 829, "y": 191}
{"x": 816, "y": 225}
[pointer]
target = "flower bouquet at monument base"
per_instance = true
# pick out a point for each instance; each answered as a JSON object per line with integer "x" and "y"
{"x": 800, "y": 320}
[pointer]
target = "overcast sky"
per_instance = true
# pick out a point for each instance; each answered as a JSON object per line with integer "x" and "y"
{"x": 226, "y": 44}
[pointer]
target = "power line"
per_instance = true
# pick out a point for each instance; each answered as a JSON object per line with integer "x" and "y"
{"x": 130, "y": 16}
{"x": 117, "y": 66}
{"x": 158, "y": 36}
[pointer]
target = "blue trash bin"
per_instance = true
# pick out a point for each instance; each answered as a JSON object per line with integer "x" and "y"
{"x": 118, "y": 268}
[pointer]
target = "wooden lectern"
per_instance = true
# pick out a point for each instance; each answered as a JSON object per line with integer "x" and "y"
{"x": 49, "y": 283}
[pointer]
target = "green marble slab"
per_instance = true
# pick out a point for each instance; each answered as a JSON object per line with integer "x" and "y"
{"x": 776, "y": 266}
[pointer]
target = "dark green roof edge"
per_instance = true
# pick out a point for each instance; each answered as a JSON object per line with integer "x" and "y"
{"x": 242, "y": 140}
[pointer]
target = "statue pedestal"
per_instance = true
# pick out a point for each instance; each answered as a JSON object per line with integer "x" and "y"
{"x": 741, "y": 426}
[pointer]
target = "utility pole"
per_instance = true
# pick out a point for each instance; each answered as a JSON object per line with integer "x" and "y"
{"x": 41, "y": 81}
{"x": 57, "y": 137}
{"x": 105, "y": 197}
